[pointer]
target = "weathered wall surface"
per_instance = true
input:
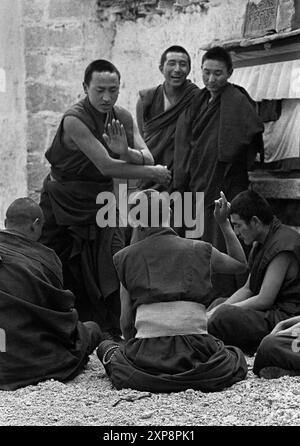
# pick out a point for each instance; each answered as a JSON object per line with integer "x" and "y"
{"x": 138, "y": 45}
{"x": 45, "y": 46}
{"x": 13, "y": 181}
{"x": 63, "y": 36}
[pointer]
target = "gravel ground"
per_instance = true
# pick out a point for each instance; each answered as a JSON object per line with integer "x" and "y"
{"x": 90, "y": 400}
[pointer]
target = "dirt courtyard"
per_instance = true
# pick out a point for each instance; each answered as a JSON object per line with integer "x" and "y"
{"x": 90, "y": 400}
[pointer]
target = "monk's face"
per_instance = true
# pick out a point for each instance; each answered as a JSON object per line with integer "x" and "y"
{"x": 175, "y": 69}
{"x": 215, "y": 75}
{"x": 103, "y": 90}
{"x": 244, "y": 231}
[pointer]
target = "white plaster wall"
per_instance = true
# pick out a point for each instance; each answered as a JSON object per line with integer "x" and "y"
{"x": 13, "y": 175}
{"x": 138, "y": 45}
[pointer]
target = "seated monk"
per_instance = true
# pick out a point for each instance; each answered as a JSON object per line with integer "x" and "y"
{"x": 165, "y": 283}
{"x": 279, "y": 353}
{"x": 40, "y": 332}
{"x": 272, "y": 291}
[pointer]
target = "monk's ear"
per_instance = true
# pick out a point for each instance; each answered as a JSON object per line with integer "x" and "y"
{"x": 256, "y": 220}
{"x": 84, "y": 87}
{"x": 5, "y": 223}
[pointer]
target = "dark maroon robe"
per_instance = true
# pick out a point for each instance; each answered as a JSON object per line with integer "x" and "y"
{"x": 166, "y": 268}
{"x": 160, "y": 125}
{"x": 43, "y": 338}
{"x": 69, "y": 204}
{"x": 246, "y": 327}
{"x": 217, "y": 143}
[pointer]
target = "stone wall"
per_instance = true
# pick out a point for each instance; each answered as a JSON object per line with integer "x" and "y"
{"x": 139, "y": 44}
{"x": 13, "y": 181}
{"x": 63, "y": 36}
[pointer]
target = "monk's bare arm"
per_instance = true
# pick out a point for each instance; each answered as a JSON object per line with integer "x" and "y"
{"x": 222, "y": 263}
{"x": 85, "y": 141}
{"x": 241, "y": 294}
{"x": 140, "y": 116}
{"x": 273, "y": 280}
{"x": 287, "y": 324}
{"x": 127, "y": 318}
{"x": 140, "y": 154}
{"x": 235, "y": 262}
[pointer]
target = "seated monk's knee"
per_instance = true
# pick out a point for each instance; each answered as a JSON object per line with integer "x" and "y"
{"x": 268, "y": 344}
{"x": 223, "y": 320}
{"x": 266, "y": 354}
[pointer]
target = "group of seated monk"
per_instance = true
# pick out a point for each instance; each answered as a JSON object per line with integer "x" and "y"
{"x": 175, "y": 334}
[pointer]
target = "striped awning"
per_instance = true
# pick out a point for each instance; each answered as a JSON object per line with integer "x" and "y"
{"x": 279, "y": 80}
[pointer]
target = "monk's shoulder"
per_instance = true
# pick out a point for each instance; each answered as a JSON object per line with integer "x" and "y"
{"x": 122, "y": 112}
{"x": 149, "y": 94}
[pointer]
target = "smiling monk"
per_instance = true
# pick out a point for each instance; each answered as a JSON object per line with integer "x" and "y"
{"x": 159, "y": 108}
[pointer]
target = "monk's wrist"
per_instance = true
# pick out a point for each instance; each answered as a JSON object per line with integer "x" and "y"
{"x": 226, "y": 225}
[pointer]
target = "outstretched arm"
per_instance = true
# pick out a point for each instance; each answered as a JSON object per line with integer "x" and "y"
{"x": 117, "y": 141}
{"x": 85, "y": 141}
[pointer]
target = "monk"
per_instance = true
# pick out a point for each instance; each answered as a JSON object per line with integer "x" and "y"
{"x": 272, "y": 291}
{"x": 279, "y": 353}
{"x": 158, "y": 108}
{"x": 165, "y": 288}
{"x": 40, "y": 332}
{"x": 96, "y": 141}
{"x": 220, "y": 136}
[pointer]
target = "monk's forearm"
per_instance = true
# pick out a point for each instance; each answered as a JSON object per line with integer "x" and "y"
{"x": 121, "y": 169}
{"x": 240, "y": 295}
{"x": 140, "y": 157}
{"x": 254, "y": 303}
{"x": 233, "y": 246}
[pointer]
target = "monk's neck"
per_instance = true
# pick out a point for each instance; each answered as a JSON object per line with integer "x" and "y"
{"x": 261, "y": 238}
{"x": 173, "y": 94}
{"x": 215, "y": 94}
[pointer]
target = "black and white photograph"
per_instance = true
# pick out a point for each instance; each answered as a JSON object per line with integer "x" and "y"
{"x": 149, "y": 216}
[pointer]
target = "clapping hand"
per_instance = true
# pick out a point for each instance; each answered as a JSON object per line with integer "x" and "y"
{"x": 116, "y": 138}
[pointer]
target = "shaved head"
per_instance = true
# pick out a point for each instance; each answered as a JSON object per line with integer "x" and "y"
{"x": 26, "y": 217}
{"x": 23, "y": 211}
{"x": 155, "y": 205}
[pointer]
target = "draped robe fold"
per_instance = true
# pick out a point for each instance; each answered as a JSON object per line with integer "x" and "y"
{"x": 160, "y": 125}
{"x": 43, "y": 338}
{"x": 177, "y": 362}
{"x": 217, "y": 142}
{"x": 68, "y": 200}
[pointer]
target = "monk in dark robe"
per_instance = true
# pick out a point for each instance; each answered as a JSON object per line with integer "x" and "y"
{"x": 165, "y": 288}
{"x": 272, "y": 291}
{"x": 279, "y": 353}
{"x": 40, "y": 335}
{"x": 218, "y": 137}
{"x": 96, "y": 141}
{"x": 158, "y": 108}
